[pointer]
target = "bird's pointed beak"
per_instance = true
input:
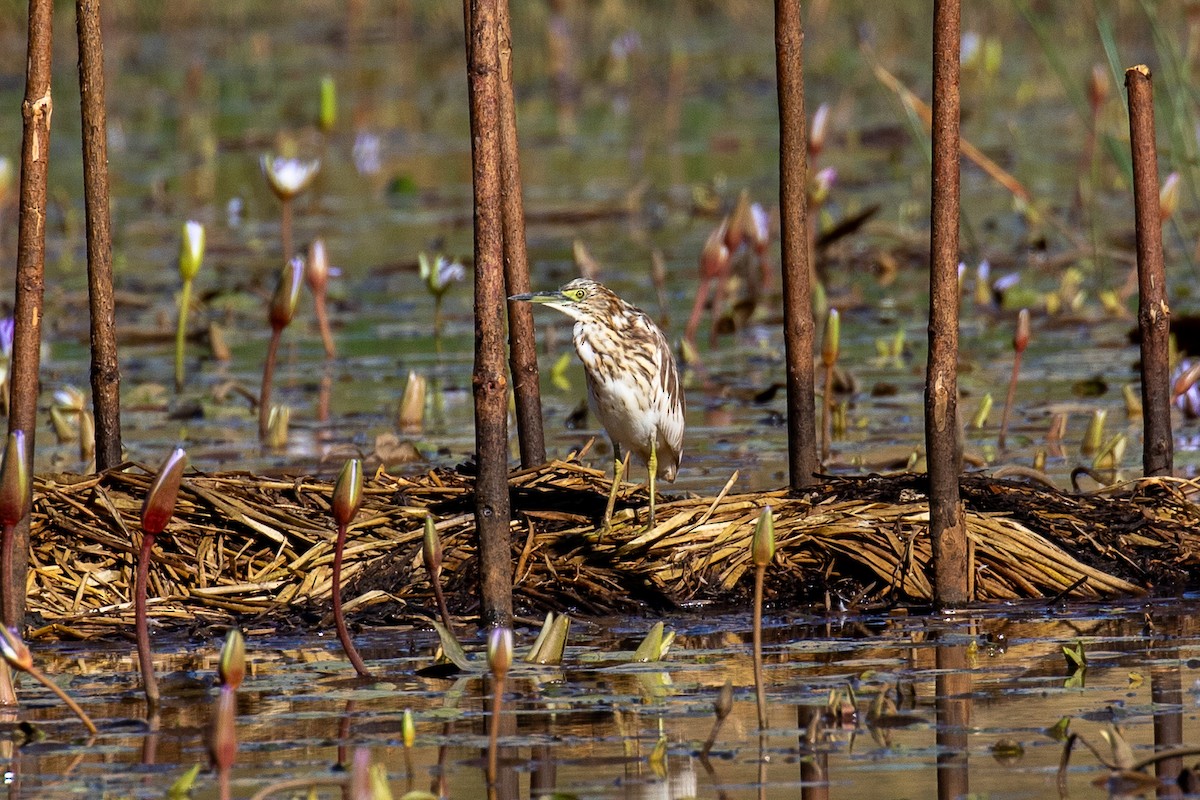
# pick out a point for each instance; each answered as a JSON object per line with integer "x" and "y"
{"x": 538, "y": 297}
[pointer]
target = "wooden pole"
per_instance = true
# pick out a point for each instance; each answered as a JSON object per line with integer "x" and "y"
{"x": 942, "y": 438}
{"x": 1154, "y": 315}
{"x": 106, "y": 368}
{"x": 489, "y": 379}
{"x": 522, "y": 349}
{"x": 31, "y": 259}
{"x": 798, "y": 326}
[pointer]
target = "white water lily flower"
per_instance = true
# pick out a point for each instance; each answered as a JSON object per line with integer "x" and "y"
{"x": 760, "y": 223}
{"x": 438, "y": 275}
{"x": 289, "y": 176}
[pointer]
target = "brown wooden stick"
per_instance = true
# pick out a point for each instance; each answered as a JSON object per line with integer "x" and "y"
{"x": 31, "y": 258}
{"x": 489, "y": 378}
{"x": 1154, "y": 315}
{"x": 942, "y": 442}
{"x": 799, "y": 328}
{"x": 105, "y": 367}
{"x": 522, "y": 358}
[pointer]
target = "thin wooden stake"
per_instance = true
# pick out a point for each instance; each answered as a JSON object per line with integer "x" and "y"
{"x": 31, "y": 259}
{"x": 1154, "y": 315}
{"x": 106, "y": 368}
{"x": 798, "y": 325}
{"x": 522, "y": 350}
{"x": 942, "y": 437}
{"x": 489, "y": 378}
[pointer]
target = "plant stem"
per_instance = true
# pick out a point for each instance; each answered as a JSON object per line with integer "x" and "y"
{"x": 264, "y": 396}
{"x": 41, "y": 678}
{"x": 145, "y": 657}
{"x": 1008, "y": 400}
{"x": 759, "y": 689}
{"x": 339, "y": 620}
{"x": 827, "y": 415}
{"x": 6, "y": 573}
{"x": 323, "y": 323}
{"x": 285, "y": 228}
{"x": 441, "y": 601}
{"x": 185, "y": 302}
{"x": 494, "y": 729}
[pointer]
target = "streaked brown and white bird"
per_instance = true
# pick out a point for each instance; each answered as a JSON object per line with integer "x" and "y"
{"x": 633, "y": 382}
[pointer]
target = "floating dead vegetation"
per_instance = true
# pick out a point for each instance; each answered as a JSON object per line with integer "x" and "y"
{"x": 260, "y": 549}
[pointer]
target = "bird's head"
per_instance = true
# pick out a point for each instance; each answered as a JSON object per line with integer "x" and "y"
{"x": 581, "y": 299}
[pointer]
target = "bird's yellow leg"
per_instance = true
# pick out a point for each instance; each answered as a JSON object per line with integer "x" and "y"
{"x": 619, "y": 468}
{"x": 652, "y": 466}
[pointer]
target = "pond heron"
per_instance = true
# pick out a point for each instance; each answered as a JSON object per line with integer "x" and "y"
{"x": 633, "y": 383}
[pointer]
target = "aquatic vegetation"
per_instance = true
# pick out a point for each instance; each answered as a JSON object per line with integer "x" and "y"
{"x": 191, "y": 258}
{"x": 347, "y": 499}
{"x": 830, "y": 348}
{"x": 316, "y": 275}
{"x": 762, "y": 552}
{"x": 157, "y": 510}
{"x": 288, "y": 179}
{"x": 280, "y": 312}
{"x": 222, "y": 738}
{"x": 1020, "y": 342}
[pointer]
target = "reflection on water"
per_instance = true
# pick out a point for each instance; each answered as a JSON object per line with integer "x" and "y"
{"x": 860, "y": 707}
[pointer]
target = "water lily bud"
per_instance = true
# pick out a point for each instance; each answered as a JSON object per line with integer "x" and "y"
{"x": 1058, "y": 427}
{"x": 288, "y": 177}
{"x": 831, "y": 343}
{"x": 1021, "y": 337}
{"x": 1188, "y": 374}
{"x": 411, "y": 414}
{"x": 762, "y": 546}
{"x": 1039, "y": 460}
{"x": 759, "y": 231}
{"x": 823, "y": 183}
{"x": 279, "y": 419}
{"x": 983, "y": 283}
{"x": 408, "y": 729}
{"x": 348, "y": 492}
{"x": 222, "y": 732}
{"x": 818, "y": 131}
{"x": 231, "y": 668}
{"x": 14, "y": 650}
{"x": 14, "y": 480}
{"x": 316, "y": 272}
{"x": 500, "y": 651}
{"x": 358, "y": 787}
{"x": 191, "y": 250}
{"x": 328, "y": 114}
{"x": 1168, "y": 197}
{"x": 380, "y": 788}
{"x": 287, "y": 294}
{"x": 431, "y": 549}
{"x": 714, "y": 258}
{"x": 1098, "y": 87}
{"x": 735, "y": 232}
{"x": 1094, "y": 434}
{"x": 159, "y": 504}
{"x": 983, "y": 412}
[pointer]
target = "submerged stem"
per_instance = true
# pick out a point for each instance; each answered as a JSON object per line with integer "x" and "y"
{"x": 145, "y": 657}
{"x": 338, "y": 618}
{"x": 264, "y": 395}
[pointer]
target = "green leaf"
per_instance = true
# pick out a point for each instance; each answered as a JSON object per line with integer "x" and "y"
{"x": 181, "y": 789}
{"x": 651, "y": 647}
{"x": 454, "y": 651}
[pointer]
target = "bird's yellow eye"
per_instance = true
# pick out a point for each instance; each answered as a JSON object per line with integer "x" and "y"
{"x": 579, "y": 294}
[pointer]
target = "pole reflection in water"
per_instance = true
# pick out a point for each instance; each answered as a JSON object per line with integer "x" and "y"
{"x": 953, "y": 704}
{"x": 1166, "y": 693}
{"x": 814, "y": 758}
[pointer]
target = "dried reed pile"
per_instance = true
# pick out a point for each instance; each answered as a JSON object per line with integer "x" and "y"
{"x": 261, "y": 548}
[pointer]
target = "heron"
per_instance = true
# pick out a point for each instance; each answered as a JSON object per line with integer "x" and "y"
{"x": 632, "y": 379}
